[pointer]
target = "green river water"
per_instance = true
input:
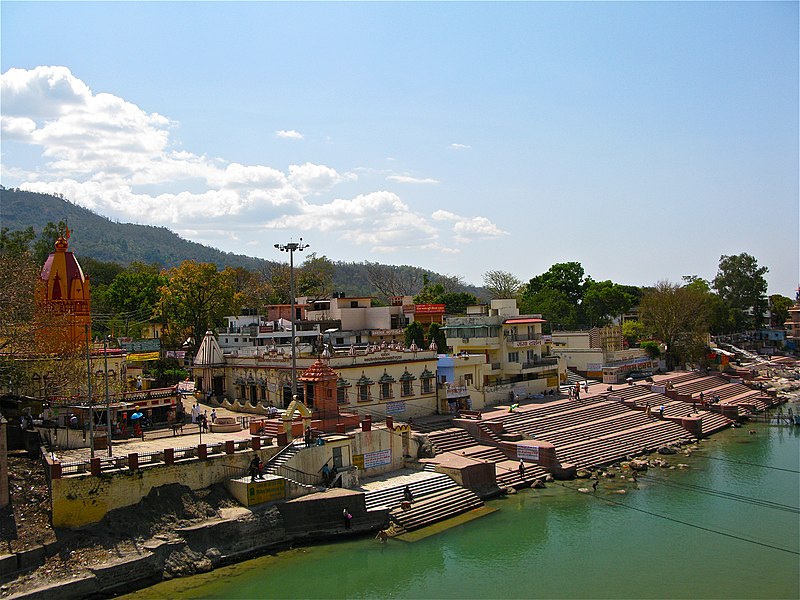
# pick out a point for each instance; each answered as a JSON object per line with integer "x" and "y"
{"x": 726, "y": 527}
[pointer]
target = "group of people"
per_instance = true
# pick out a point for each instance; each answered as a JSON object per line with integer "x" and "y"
{"x": 202, "y": 418}
{"x": 256, "y": 469}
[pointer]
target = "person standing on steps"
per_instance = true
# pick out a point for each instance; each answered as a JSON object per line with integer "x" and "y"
{"x": 521, "y": 469}
{"x": 347, "y": 517}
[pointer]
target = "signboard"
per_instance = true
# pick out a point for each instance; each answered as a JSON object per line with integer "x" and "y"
{"x": 396, "y": 408}
{"x": 178, "y": 354}
{"x": 429, "y": 309}
{"x": 149, "y": 345}
{"x": 186, "y": 387}
{"x": 371, "y": 460}
{"x": 266, "y": 491}
{"x": 144, "y": 356}
{"x": 528, "y": 453}
{"x": 526, "y": 343}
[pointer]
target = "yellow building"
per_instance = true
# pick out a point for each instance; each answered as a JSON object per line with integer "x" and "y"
{"x": 518, "y": 357}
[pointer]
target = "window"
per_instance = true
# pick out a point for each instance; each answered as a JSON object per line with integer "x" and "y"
{"x": 468, "y": 379}
{"x": 426, "y": 386}
{"x": 513, "y": 357}
{"x": 363, "y": 393}
{"x": 386, "y": 390}
{"x": 407, "y": 389}
{"x": 341, "y": 395}
{"x": 531, "y": 356}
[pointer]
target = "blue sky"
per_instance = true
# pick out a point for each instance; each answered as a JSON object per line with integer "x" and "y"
{"x": 644, "y": 140}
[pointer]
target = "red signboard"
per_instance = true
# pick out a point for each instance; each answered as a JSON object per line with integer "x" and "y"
{"x": 429, "y": 309}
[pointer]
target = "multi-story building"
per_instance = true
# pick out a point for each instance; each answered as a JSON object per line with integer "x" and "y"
{"x": 599, "y": 353}
{"x": 499, "y": 355}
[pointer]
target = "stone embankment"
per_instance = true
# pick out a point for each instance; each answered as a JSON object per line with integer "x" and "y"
{"x": 162, "y": 543}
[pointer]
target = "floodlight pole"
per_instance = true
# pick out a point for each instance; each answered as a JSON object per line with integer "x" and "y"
{"x": 291, "y": 248}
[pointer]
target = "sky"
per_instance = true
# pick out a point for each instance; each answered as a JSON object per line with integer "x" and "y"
{"x": 643, "y": 140}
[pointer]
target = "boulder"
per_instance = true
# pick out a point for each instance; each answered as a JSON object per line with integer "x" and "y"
{"x": 582, "y": 474}
{"x": 638, "y": 465}
{"x": 666, "y": 450}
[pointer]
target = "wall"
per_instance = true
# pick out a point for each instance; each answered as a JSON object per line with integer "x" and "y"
{"x": 85, "y": 499}
{"x": 380, "y": 445}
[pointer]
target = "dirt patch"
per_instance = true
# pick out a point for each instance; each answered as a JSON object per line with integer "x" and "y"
{"x": 122, "y": 533}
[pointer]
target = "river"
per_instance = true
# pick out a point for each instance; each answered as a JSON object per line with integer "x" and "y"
{"x": 725, "y": 527}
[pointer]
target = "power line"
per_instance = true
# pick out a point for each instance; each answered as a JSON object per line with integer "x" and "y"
{"x": 749, "y": 464}
{"x": 725, "y": 495}
{"x": 693, "y": 525}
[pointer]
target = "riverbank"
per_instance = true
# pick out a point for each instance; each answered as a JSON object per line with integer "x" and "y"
{"x": 723, "y": 527}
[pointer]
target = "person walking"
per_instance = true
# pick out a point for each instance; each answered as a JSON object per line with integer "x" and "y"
{"x": 214, "y": 415}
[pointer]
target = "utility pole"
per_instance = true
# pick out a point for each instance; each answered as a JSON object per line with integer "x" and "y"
{"x": 291, "y": 248}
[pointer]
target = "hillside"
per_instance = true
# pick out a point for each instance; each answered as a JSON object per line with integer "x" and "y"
{"x": 105, "y": 240}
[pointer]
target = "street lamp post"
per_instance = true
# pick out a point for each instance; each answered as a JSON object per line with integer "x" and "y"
{"x": 108, "y": 400}
{"x": 89, "y": 394}
{"x": 291, "y": 247}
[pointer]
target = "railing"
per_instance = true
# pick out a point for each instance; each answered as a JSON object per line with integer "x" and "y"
{"x": 298, "y": 476}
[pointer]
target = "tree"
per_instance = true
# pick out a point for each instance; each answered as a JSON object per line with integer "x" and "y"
{"x": 416, "y": 334}
{"x": 553, "y": 305}
{"x": 394, "y": 281}
{"x": 501, "y": 284}
{"x": 676, "y": 316}
{"x": 196, "y": 298}
{"x": 47, "y": 240}
{"x": 436, "y": 335}
{"x": 567, "y": 278}
{"x": 16, "y": 242}
{"x": 740, "y": 282}
{"x": 133, "y": 297}
{"x": 315, "y": 278}
{"x": 603, "y": 300}
{"x": 633, "y": 332}
{"x": 779, "y": 309}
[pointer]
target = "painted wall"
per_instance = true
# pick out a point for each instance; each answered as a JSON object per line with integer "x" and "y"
{"x": 85, "y": 499}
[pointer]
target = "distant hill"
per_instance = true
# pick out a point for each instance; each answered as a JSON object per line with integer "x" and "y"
{"x": 105, "y": 240}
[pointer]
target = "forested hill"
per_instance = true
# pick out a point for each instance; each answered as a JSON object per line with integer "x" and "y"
{"x": 102, "y": 239}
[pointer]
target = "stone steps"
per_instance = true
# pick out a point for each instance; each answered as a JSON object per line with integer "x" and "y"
{"x": 507, "y": 475}
{"x": 432, "y": 509}
{"x": 390, "y": 497}
{"x": 450, "y": 440}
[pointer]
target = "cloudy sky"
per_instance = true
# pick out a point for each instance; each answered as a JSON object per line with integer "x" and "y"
{"x": 643, "y": 140}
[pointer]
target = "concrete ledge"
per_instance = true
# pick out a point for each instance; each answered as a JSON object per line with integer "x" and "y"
{"x": 8, "y": 564}
{"x": 32, "y": 558}
{"x": 82, "y": 587}
{"x": 127, "y": 573}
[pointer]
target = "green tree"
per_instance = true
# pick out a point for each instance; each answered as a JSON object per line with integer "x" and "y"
{"x": 436, "y": 334}
{"x": 134, "y": 296}
{"x": 415, "y": 333}
{"x": 741, "y": 283}
{"x": 46, "y": 242}
{"x": 501, "y": 284}
{"x": 315, "y": 278}
{"x": 567, "y": 278}
{"x": 16, "y": 242}
{"x": 196, "y": 298}
{"x": 676, "y": 315}
{"x": 553, "y": 305}
{"x": 633, "y": 332}
{"x": 605, "y": 299}
{"x": 779, "y": 309}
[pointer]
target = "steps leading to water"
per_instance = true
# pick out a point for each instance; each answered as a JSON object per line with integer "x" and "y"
{"x": 432, "y": 509}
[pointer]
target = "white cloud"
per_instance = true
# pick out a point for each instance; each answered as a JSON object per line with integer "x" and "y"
{"x": 109, "y": 155}
{"x": 408, "y": 179}
{"x": 468, "y": 228}
{"x": 310, "y": 178}
{"x": 289, "y": 134}
{"x": 460, "y": 147}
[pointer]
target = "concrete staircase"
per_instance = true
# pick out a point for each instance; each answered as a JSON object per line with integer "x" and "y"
{"x": 450, "y": 440}
{"x": 278, "y": 465}
{"x": 507, "y": 474}
{"x": 421, "y": 485}
{"x": 433, "y": 508}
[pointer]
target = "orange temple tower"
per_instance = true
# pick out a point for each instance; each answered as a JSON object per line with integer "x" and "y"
{"x": 63, "y": 299}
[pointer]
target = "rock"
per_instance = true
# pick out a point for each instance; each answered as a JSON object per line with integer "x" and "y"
{"x": 619, "y": 492}
{"x": 583, "y": 490}
{"x": 511, "y": 491}
{"x": 609, "y": 475}
{"x": 683, "y": 466}
{"x": 549, "y": 478}
{"x": 537, "y": 484}
{"x": 582, "y": 474}
{"x": 638, "y": 465}
{"x": 666, "y": 450}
